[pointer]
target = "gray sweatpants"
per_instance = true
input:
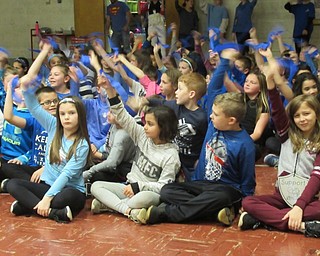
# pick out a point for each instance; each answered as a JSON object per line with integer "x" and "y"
{"x": 111, "y": 195}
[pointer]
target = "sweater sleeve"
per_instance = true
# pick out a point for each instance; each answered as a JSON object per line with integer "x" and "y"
{"x": 47, "y": 121}
{"x": 216, "y": 83}
{"x": 288, "y": 6}
{"x": 278, "y": 114}
{"x": 126, "y": 121}
{"x": 313, "y": 186}
{"x": 178, "y": 7}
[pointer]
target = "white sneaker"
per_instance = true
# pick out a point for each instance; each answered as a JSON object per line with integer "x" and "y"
{"x": 138, "y": 215}
{"x": 98, "y": 207}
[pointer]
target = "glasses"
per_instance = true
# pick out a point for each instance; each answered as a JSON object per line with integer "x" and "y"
{"x": 49, "y": 102}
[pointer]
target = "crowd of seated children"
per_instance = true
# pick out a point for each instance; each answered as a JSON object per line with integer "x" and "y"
{"x": 135, "y": 166}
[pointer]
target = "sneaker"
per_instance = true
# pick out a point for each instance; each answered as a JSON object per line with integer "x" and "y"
{"x": 271, "y": 160}
{"x": 3, "y": 186}
{"x": 61, "y": 215}
{"x": 138, "y": 215}
{"x": 19, "y": 210}
{"x": 246, "y": 221}
{"x": 155, "y": 214}
{"x": 98, "y": 207}
{"x": 226, "y": 216}
{"x": 312, "y": 229}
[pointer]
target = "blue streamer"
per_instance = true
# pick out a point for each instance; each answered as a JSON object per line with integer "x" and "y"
{"x": 163, "y": 45}
{"x": 34, "y": 50}
{"x": 113, "y": 47}
{"x": 5, "y": 51}
{"x": 93, "y": 34}
{"x": 53, "y": 43}
{"x": 14, "y": 83}
{"x": 185, "y": 41}
{"x": 264, "y": 46}
{"x": 79, "y": 73}
{"x": 176, "y": 56}
{"x": 85, "y": 59}
{"x": 219, "y": 48}
{"x": 214, "y": 42}
{"x": 275, "y": 32}
{"x": 288, "y": 46}
{"x": 99, "y": 41}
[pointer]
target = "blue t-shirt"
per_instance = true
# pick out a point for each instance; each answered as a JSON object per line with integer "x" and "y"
{"x": 97, "y": 122}
{"x": 216, "y": 14}
{"x": 118, "y": 15}
{"x": 39, "y": 142}
{"x": 15, "y": 141}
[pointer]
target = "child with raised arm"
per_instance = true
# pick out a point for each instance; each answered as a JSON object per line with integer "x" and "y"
{"x": 28, "y": 169}
{"x": 192, "y": 125}
{"x": 61, "y": 193}
{"x": 14, "y": 141}
{"x": 156, "y": 163}
{"x": 294, "y": 205}
{"x": 225, "y": 172}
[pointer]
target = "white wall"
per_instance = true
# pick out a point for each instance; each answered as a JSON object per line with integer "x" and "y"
{"x": 18, "y": 17}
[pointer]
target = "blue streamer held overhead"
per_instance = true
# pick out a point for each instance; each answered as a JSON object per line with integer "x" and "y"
{"x": 100, "y": 42}
{"x": 163, "y": 45}
{"x": 93, "y": 34}
{"x": 112, "y": 46}
{"x": 14, "y": 83}
{"x": 264, "y": 46}
{"x": 214, "y": 39}
{"x": 219, "y": 48}
{"x": 185, "y": 41}
{"x": 276, "y": 31}
{"x": 288, "y": 46}
{"x": 5, "y": 51}
{"x": 53, "y": 43}
{"x": 176, "y": 56}
{"x": 85, "y": 59}
{"x": 34, "y": 50}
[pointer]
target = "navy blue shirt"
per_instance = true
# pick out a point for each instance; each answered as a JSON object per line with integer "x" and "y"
{"x": 303, "y": 17}
{"x": 242, "y": 18}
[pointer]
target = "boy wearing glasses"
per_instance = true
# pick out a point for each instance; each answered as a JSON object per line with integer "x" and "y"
{"x": 29, "y": 165}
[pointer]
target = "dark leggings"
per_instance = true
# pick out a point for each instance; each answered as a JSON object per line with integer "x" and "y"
{"x": 29, "y": 194}
{"x": 197, "y": 199}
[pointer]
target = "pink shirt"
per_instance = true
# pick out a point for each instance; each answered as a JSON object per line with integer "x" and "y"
{"x": 151, "y": 87}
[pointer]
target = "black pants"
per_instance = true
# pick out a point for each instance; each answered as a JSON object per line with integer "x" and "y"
{"x": 242, "y": 37}
{"x": 197, "y": 200}
{"x": 29, "y": 194}
{"x": 18, "y": 171}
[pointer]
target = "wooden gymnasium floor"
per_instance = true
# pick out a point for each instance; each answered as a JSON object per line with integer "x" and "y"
{"x": 112, "y": 234}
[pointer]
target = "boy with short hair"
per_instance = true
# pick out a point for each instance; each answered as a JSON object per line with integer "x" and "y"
{"x": 225, "y": 172}
{"x": 192, "y": 120}
{"x": 30, "y": 169}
